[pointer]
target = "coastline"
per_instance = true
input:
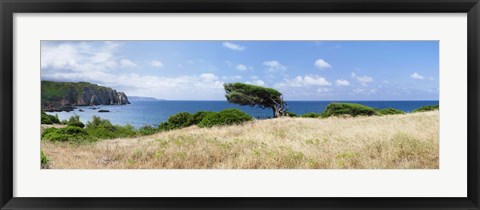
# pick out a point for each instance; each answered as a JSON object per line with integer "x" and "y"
{"x": 139, "y": 113}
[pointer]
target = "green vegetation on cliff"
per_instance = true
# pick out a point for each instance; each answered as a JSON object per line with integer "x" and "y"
{"x": 58, "y": 95}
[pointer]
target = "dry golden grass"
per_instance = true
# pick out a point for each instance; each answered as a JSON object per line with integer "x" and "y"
{"x": 407, "y": 141}
{"x": 44, "y": 126}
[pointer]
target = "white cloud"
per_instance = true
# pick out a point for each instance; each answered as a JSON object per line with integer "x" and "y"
{"x": 316, "y": 80}
{"x": 125, "y": 63}
{"x": 62, "y": 56}
{"x": 82, "y": 57}
{"x": 233, "y": 46}
{"x": 342, "y": 82}
{"x": 416, "y": 76}
{"x": 274, "y": 66}
{"x": 208, "y": 76}
{"x": 236, "y": 77}
{"x": 204, "y": 86}
{"x": 256, "y": 82}
{"x": 199, "y": 87}
{"x": 241, "y": 67}
{"x": 259, "y": 82}
{"x": 158, "y": 64}
{"x": 305, "y": 81}
{"x": 358, "y": 90}
{"x": 431, "y": 78}
{"x": 322, "y": 64}
{"x": 364, "y": 91}
{"x": 97, "y": 63}
{"x": 365, "y": 79}
{"x": 323, "y": 90}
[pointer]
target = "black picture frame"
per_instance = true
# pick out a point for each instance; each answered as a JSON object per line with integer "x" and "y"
{"x": 9, "y": 7}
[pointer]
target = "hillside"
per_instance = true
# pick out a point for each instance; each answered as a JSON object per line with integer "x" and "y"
{"x": 406, "y": 141}
{"x": 62, "y": 95}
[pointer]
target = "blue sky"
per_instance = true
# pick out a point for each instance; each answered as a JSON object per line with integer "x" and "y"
{"x": 301, "y": 70}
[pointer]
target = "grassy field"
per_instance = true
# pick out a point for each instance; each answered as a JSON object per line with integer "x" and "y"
{"x": 406, "y": 141}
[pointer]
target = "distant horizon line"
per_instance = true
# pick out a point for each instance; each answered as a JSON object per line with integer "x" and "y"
{"x": 285, "y": 100}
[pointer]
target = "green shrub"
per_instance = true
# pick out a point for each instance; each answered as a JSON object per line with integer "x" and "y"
{"x": 185, "y": 119}
{"x": 49, "y": 119}
{"x": 76, "y": 124}
{"x": 115, "y": 132}
{"x": 43, "y": 159}
{"x": 224, "y": 117}
{"x": 103, "y": 129}
{"x": 125, "y": 131}
{"x": 69, "y": 133}
{"x": 179, "y": 120}
{"x": 197, "y": 117}
{"x": 147, "y": 130}
{"x": 48, "y": 130}
{"x": 99, "y": 122}
{"x": 390, "y": 111}
{"x": 75, "y": 121}
{"x": 291, "y": 114}
{"x": 102, "y": 132}
{"x": 164, "y": 126}
{"x": 97, "y": 128}
{"x": 45, "y": 119}
{"x": 311, "y": 115}
{"x": 427, "y": 108}
{"x": 336, "y": 109}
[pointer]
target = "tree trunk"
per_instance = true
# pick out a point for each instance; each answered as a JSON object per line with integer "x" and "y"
{"x": 277, "y": 111}
{"x": 274, "y": 109}
{"x": 279, "y": 108}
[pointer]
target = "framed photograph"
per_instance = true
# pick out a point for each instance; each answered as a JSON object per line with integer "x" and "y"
{"x": 239, "y": 104}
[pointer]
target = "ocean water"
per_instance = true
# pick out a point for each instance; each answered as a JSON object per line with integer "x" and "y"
{"x": 141, "y": 113}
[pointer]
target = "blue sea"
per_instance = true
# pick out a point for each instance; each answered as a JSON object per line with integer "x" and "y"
{"x": 141, "y": 113}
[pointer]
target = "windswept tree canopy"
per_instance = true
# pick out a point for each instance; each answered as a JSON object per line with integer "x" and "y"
{"x": 253, "y": 95}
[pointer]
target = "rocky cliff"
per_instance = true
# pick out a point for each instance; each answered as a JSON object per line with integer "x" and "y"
{"x": 58, "y": 96}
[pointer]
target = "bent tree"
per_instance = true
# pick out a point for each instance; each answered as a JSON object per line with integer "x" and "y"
{"x": 255, "y": 96}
